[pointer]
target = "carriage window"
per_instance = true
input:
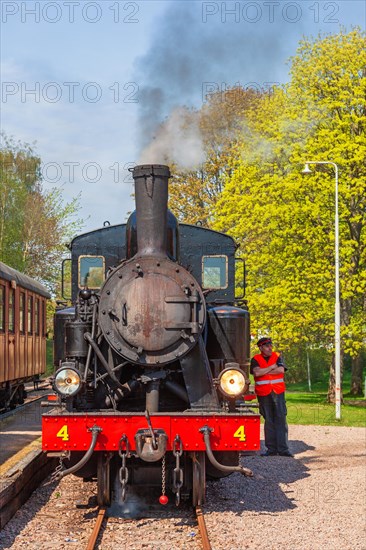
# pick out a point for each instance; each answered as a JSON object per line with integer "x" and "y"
{"x": 214, "y": 271}
{"x": 22, "y": 313}
{"x": 30, "y": 314}
{"x": 2, "y": 308}
{"x": 91, "y": 271}
{"x": 11, "y": 310}
{"x": 36, "y": 316}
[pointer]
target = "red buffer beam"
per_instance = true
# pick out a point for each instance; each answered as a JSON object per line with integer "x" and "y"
{"x": 71, "y": 432}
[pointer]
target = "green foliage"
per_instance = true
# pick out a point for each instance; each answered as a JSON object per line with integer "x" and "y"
{"x": 312, "y": 409}
{"x": 283, "y": 221}
{"x": 297, "y": 360}
{"x": 319, "y": 374}
{"x": 34, "y": 223}
{"x": 49, "y": 358}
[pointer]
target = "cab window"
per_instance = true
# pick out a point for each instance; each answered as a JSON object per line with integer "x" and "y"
{"x": 214, "y": 272}
{"x": 91, "y": 271}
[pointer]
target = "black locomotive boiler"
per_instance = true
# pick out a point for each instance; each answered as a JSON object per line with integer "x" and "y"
{"x": 152, "y": 358}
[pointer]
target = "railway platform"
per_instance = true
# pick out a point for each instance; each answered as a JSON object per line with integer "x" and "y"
{"x": 18, "y": 429}
{"x": 23, "y": 465}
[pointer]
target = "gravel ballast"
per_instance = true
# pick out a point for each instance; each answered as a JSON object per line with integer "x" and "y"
{"x": 313, "y": 501}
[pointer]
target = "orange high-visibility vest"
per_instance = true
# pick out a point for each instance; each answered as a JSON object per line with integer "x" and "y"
{"x": 269, "y": 382}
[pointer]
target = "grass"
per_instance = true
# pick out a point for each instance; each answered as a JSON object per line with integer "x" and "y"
{"x": 312, "y": 408}
{"x": 304, "y": 407}
{"x": 49, "y": 358}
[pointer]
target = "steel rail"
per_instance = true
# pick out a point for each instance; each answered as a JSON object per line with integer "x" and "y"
{"x": 6, "y": 413}
{"x": 202, "y": 528}
{"x": 96, "y": 529}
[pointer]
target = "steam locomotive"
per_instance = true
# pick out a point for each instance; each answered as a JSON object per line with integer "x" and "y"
{"x": 152, "y": 359}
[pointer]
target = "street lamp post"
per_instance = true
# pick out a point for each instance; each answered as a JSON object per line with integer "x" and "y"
{"x": 337, "y": 314}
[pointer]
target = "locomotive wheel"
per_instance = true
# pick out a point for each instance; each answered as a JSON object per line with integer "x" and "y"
{"x": 103, "y": 479}
{"x": 198, "y": 478}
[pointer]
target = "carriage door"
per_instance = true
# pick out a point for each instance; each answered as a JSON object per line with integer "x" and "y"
{"x": 37, "y": 339}
{"x": 11, "y": 335}
{"x": 22, "y": 335}
{"x": 3, "y": 334}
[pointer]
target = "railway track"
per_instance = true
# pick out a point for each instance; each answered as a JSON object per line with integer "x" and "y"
{"x": 101, "y": 516}
{"x": 33, "y": 395}
{"x": 202, "y": 528}
{"x": 96, "y": 530}
{"x": 6, "y": 413}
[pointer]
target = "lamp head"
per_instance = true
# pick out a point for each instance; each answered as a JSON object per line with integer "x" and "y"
{"x": 306, "y": 169}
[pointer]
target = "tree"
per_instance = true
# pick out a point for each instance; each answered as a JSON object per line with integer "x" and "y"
{"x": 337, "y": 87}
{"x": 284, "y": 222}
{"x": 220, "y": 121}
{"x": 357, "y": 370}
{"x": 34, "y": 223}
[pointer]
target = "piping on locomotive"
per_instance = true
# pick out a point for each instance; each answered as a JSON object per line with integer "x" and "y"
{"x": 152, "y": 363}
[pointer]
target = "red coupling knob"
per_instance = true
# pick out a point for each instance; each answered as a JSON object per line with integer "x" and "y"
{"x": 163, "y": 499}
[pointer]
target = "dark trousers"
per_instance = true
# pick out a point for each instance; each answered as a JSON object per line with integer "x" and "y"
{"x": 273, "y": 409}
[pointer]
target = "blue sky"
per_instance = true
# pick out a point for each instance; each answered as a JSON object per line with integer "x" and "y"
{"x": 77, "y": 76}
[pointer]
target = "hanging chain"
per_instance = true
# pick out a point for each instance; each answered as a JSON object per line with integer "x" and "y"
{"x": 124, "y": 453}
{"x": 163, "y": 476}
{"x": 177, "y": 472}
{"x": 56, "y": 475}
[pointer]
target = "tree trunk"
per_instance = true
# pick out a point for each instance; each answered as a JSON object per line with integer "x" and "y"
{"x": 356, "y": 377}
{"x": 331, "y": 386}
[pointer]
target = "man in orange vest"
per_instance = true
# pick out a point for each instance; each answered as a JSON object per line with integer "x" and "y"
{"x": 268, "y": 369}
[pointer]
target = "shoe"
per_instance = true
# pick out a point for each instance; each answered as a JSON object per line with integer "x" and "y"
{"x": 269, "y": 453}
{"x": 290, "y": 455}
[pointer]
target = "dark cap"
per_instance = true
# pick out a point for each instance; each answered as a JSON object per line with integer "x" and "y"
{"x": 263, "y": 341}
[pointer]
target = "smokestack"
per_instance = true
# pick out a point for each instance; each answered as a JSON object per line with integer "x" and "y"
{"x": 151, "y": 193}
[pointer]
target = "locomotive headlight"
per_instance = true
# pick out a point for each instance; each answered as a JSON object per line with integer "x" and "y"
{"x": 67, "y": 381}
{"x": 232, "y": 382}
